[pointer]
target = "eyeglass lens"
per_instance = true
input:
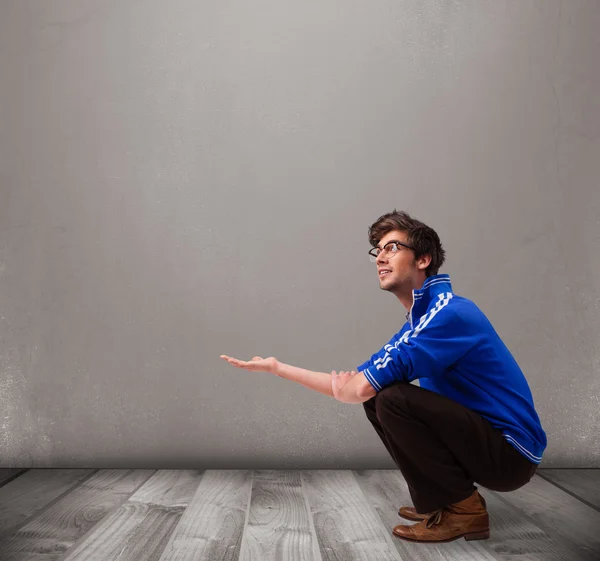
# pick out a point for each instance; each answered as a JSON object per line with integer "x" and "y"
{"x": 390, "y": 248}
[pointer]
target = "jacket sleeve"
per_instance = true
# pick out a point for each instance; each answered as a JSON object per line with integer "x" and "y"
{"x": 439, "y": 340}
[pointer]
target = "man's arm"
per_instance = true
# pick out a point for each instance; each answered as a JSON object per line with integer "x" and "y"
{"x": 357, "y": 390}
{"x": 349, "y": 386}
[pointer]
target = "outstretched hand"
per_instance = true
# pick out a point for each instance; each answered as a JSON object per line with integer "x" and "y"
{"x": 257, "y": 364}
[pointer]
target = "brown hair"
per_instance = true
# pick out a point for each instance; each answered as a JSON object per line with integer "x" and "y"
{"x": 420, "y": 236}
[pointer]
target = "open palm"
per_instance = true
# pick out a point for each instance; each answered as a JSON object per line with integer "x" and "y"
{"x": 257, "y": 364}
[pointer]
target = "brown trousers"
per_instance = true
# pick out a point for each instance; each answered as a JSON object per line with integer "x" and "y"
{"x": 443, "y": 448}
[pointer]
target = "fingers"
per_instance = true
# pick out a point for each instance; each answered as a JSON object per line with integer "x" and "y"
{"x": 232, "y": 360}
{"x": 225, "y": 357}
{"x": 248, "y": 364}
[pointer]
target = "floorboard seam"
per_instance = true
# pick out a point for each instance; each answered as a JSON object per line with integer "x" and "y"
{"x": 317, "y": 555}
{"x": 243, "y": 553}
{"x": 562, "y": 541}
{"x": 387, "y": 533}
{"x": 9, "y": 532}
{"x": 13, "y": 477}
{"x": 545, "y": 478}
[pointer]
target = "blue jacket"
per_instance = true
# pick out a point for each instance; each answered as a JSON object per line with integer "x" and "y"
{"x": 451, "y": 347}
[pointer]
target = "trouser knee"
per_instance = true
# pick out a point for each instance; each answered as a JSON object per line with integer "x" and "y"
{"x": 369, "y": 407}
{"x": 394, "y": 397}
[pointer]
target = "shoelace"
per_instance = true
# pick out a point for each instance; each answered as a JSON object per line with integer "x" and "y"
{"x": 435, "y": 518}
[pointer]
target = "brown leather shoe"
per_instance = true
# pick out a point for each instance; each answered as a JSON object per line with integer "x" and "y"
{"x": 468, "y": 518}
{"x": 410, "y": 513}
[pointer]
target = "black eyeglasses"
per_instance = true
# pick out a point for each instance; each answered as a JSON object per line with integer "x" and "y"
{"x": 391, "y": 248}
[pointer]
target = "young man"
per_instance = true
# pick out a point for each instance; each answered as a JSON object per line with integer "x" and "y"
{"x": 472, "y": 419}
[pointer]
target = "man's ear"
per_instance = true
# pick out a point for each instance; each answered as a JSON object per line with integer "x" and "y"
{"x": 423, "y": 262}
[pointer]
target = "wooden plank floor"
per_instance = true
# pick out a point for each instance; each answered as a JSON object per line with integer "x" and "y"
{"x": 277, "y": 515}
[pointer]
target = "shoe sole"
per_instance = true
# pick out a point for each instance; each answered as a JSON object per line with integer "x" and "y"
{"x": 483, "y": 535}
{"x": 418, "y": 519}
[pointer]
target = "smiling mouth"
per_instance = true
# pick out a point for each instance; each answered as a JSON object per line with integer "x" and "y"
{"x": 384, "y": 273}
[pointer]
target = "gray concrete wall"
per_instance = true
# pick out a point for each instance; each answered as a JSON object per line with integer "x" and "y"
{"x": 184, "y": 179}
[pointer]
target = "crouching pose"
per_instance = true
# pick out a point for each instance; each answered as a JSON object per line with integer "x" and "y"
{"x": 470, "y": 420}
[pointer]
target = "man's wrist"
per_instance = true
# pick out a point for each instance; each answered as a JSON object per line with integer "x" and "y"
{"x": 277, "y": 368}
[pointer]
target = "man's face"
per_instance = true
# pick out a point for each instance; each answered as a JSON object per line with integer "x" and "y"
{"x": 402, "y": 266}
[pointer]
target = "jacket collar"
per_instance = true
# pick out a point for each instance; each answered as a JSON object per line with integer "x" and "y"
{"x": 422, "y": 297}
